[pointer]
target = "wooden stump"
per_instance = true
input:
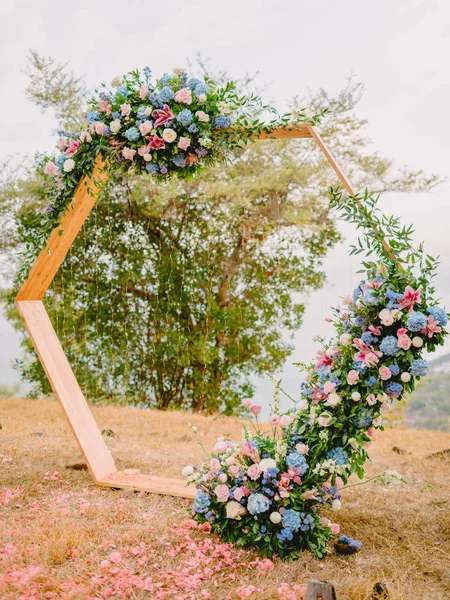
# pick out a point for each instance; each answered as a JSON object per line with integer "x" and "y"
{"x": 320, "y": 590}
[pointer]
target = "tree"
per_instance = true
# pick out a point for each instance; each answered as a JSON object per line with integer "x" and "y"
{"x": 174, "y": 295}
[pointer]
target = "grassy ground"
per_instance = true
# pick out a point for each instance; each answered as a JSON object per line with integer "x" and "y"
{"x": 61, "y": 537}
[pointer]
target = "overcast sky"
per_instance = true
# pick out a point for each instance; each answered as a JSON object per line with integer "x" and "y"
{"x": 400, "y": 50}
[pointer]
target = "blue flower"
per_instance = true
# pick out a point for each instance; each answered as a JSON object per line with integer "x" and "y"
{"x": 202, "y": 502}
{"x": 222, "y": 122}
{"x": 192, "y": 83}
{"x": 60, "y": 160}
{"x": 185, "y": 117}
{"x": 394, "y": 369}
{"x": 147, "y": 73}
{"x": 393, "y": 389}
{"x": 291, "y": 519}
{"x": 152, "y": 168}
{"x": 155, "y": 100}
{"x": 257, "y": 503}
{"x": 178, "y": 161}
{"x": 349, "y": 542}
{"x": 141, "y": 113}
{"x": 439, "y": 315}
{"x": 210, "y": 516}
{"x": 116, "y": 115}
{"x": 389, "y": 346}
{"x": 419, "y": 367}
{"x": 357, "y": 293}
{"x": 297, "y": 461}
{"x": 339, "y": 455}
{"x": 92, "y": 116}
{"x": 393, "y": 297}
{"x": 202, "y": 88}
{"x": 193, "y": 128}
{"x": 165, "y": 79}
{"x": 370, "y": 298}
{"x": 323, "y": 373}
{"x": 416, "y": 321}
{"x": 307, "y": 522}
{"x": 122, "y": 91}
{"x": 371, "y": 381}
{"x": 368, "y": 338}
{"x": 166, "y": 94}
{"x": 285, "y": 535}
{"x": 132, "y": 134}
{"x": 362, "y": 420}
{"x": 360, "y": 321}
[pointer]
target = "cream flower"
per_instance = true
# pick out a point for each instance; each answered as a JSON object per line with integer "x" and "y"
{"x": 187, "y": 471}
{"x": 235, "y": 510}
{"x": 169, "y": 135}
{"x": 275, "y": 518}
{"x": 267, "y": 463}
{"x": 116, "y": 81}
{"x": 69, "y": 165}
{"x": 115, "y": 125}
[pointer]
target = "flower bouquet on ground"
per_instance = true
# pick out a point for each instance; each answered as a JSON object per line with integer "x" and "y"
{"x": 270, "y": 490}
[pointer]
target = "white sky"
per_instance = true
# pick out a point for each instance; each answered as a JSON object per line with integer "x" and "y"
{"x": 400, "y": 50}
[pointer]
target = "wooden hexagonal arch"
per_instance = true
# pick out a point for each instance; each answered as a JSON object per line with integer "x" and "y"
{"x": 50, "y": 352}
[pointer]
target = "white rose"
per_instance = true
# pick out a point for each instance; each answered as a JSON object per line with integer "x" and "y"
{"x": 302, "y": 405}
{"x": 202, "y": 98}
{"x": 147, "y": 157}
{"x": 417, "y": 342}
{"x": 386, "y": 317}
{"x": 356, "y": 396}
{"x": 187, "y": 471}
{"x": 69, "y": 165}
{"x": 148, "y": 111}
{"x": 116, "y": 81}
{"x": 169, "y": 135}
{"x": 115, "y": 125}
{"x": 336, "y": 505}
{"x": 353, "y": 443}
{"x": 405, "y": 377}
{"x": 333, "y": 399}
{"x": 267, "y": 463}
{"x": 275, "y": 518}
{"x": 235, "y": 510}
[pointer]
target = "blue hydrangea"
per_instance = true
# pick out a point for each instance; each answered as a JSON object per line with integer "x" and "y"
{"x": 394, "y": 369}
{"x": 360, "y": 321}
{"x": 335, "y": 380}
{"x": 291, "y": 519}
{"x": 202, "y": 88}
{"x": 141, "y": 113}
{"x": 370, "y": 298}
{"x": 389, "y": 346}
{"x": 439, "y": 315}
{"x": 192, "y": 83}
{"x": 349, "y": 542}
{"x": 222, "y": 122}
{"x": 155, "y": 100}
{"x": 185, "y": 117}
{"x": 307, "y": 522}
{"x": 165, "y": 79}
{"x": 202, "y": 502}
{"x": 339, "y": 455}
{"x": 419, "y": 367}
{"x": 393, "y": 389}
{"x": 393, "y": 298}
{"x": 193, "y": 128}
{"x": 152, "y": 168}
{"x": 116, "y": 115}
{"x": 285, "y": 535}
{"x": 323, "y": 373}
{"x": 416, "y": 321}
{"x": 357, "y": 293}
{"x": 132, "y": 134}
{"x": 92, "y": 116}
{"x": 371, "y": 381}
{"x": 210, "y": 516}
{"x": 368, "y": 338}
{"x": 166, "y": 94}
{"x": 178, "y": 161}
{"x": 60, "y": 160}
{"x": 363, "y": 419}
{"x": 297, "y": 461}
{"x": 257, "y": 503}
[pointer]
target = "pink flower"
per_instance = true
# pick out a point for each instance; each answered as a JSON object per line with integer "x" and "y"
{"x": 329, "y": 387}
{"x": 246, "y": 402}
{"x": 128, "y": 153}
{"x": 50, "y": 168}
{"x": 432, "y": 327}
{"x": 352, "y": 377}
{"x": 371, "y": 399}
{"x": 238, "y": 494}
{"x": 145, "y": 127}
{"x": 256, "y": 409}
{"x": 285, "y": 420}
{"x": 191, "y": 159}
{"x": 339, "y": 483}
{"x": 115, "y": 557}
{"x": 62, "y": 143}
{"x": 254, "y": 472}
{"x": 103, "y": 106}
{"x": 335, "y": 528}
{"x": 72, "y": 147}
{"x": 143, "y": 91}
{"x": 156, "y": 142}
{"x": 324, "y": 421}
{"x": 184, "y": 95}
{"x": 324, "y": 522}
{"x": 322, "y": 359}
{"x": 142, "y": 150}
{"x": 376, "y": 330}
{"x": 184, "y": 143}
{"x": 202, "y": 116}
{"x": 99, "y": 127}
{"x": 162, "y": 115}
{"x": 274, "y": 420}
{"x": 85, "y": 136}
{"x": 309, "y": 495}
{"x": 214, "y": 465}
{"x": 222, "y": 492}
{"x": 384, "y": 373}
{"x": 126, "y": 110}
{"x": 410, "y": 297}
{"x": 302, "y": 448}
{"x": 234, "y": 470}
{"x": 222, "y": 446}
{"x": 347, "y": 300}
{"x": 404, "y": 342}
{"x": 345, "y": 339}
{"x": 377, "y": 422}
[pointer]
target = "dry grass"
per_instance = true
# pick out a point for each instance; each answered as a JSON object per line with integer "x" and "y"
{"x": 65, "y": 526}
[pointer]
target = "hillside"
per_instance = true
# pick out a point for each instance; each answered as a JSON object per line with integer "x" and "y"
{"x": 61, "y": 537}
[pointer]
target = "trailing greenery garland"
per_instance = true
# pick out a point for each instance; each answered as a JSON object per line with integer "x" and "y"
{"x": 269, "y": 491}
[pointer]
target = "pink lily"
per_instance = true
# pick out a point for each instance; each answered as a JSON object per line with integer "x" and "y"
{"x": 432, "y": 327}
{"x": 162, "y": 115}
{"x": 72, "y": 147}
{"x": 410, "y": 298}
{"x": 155, "y": 142}
{"x": 322, "y": 359}
{"x": 376, "y": 330}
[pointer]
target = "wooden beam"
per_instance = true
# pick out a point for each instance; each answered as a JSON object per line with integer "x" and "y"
{"x": 286, "y": 133}
{"x": 149, "y": 483}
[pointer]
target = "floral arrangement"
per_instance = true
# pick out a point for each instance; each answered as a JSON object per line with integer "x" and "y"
{"x": 175, "y": 125}
{"x": 270, "y": 490}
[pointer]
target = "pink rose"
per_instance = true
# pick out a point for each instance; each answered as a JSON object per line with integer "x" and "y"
{"x": 142, "y": 150}
{"x": 221, "y": 447}
{"x": 371, "y": 359}
{"x": 370, "y": 432}
{"x": 214, "y": 465}
{"x": 145, "y": 127}
{"x": 103, "y": 106}
{"x": 126, "y": 110}
{"x": 324, "y": 421}
{"x": 254, "y": 472}
{"x": 222, "y": 477}
{"x": 385, "y": 373}
{"x": 202, "y": 116}
{"x": 285, "y": 420}
{"x": 377, "y": 422}
{"x": 222, "y": 492}
{"x": 324, "y": 522}
{"x": 335, "y": 528}
{"x": 256, "y": 409}
{"x": 99, "y": 127}
{"x": 371, "y": 400}
{"x": 50, "y": 168}
{"x": 404, "y": 342}
{"x": 234, "y": 470}
{"x": 247, "y": 402}
{"x": 302, "y": 448}
{"x": 143, "y": 91}
{"x": 352, "y": 377}
{"x": 238, "y": 494}
{"x": 62, "y": 143}
{"x": 184, "y": 143}
{"x": 329, "y": 387}
{"x": 85, "y": 136}
{"x": 184, "y": 95}
{"x": 128, "y": 153}
{"x": 274, "y": 420}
